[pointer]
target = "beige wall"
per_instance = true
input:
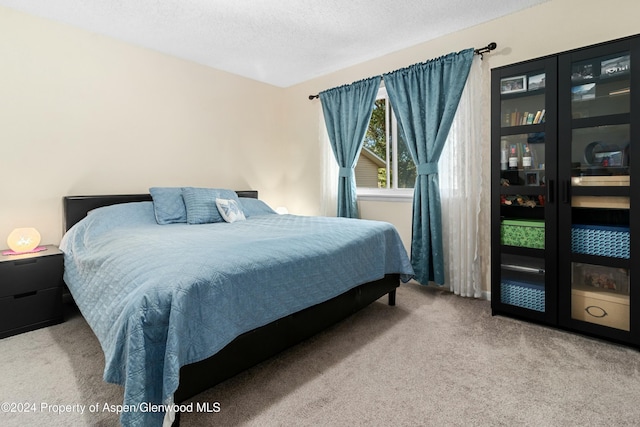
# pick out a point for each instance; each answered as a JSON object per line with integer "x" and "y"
{"x": 551, "y": 27}
{"x": 86, "y": 114}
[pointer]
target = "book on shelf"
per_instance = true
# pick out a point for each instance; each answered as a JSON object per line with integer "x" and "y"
{"x": 536, "y": 119}
{"x": 517, "y": 118}
{"x": 530, "y": 118}
{"x": 542, "y": 117}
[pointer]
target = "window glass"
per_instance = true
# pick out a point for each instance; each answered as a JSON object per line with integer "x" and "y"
{"x": 385, "y": 161}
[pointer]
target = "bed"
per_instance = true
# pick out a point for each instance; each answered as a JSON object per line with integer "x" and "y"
{"x": 180, "y": 307}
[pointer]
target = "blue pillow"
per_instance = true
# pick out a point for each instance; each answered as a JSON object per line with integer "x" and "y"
{"x": 201, "y": 203}
{"x": 168, "y": 205}
{"x": 252, "y": 207}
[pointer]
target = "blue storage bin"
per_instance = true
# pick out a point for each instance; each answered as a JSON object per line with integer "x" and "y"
{"x": 600, "y": 240}
{"x": 522, "y": 294}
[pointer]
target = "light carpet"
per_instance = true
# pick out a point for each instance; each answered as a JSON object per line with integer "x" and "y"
{"x": 434, "y": 359}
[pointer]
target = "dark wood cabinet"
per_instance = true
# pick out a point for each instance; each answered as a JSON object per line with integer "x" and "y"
{"x": 30, "y": 291}
{"x": 563, "y": 203}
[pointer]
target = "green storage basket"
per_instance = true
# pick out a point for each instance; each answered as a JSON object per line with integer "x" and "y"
{"x": 524, "y": 233}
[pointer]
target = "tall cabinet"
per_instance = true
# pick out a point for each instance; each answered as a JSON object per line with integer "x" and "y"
{"x": 563, "y": 205}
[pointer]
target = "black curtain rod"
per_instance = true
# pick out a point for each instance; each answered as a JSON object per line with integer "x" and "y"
{"x": 480, "y": 51}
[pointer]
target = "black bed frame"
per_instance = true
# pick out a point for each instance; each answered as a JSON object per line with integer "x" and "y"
{"x": 259, "y": 344}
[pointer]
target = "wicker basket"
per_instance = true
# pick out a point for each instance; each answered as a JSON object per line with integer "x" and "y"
{"x": 522, "y": 294}
{"x": 600, "y": 240}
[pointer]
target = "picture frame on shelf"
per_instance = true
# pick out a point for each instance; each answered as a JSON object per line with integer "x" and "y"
{"x": 615, "y": 66}
{"x": 536, "y": 82}
{"x": 583, "y": 92}
{"x": 582, "y": 72}
{"x": 532, "y": 178}
{"x": 514, "y": 84}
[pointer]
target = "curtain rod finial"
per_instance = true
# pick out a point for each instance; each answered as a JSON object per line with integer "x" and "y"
{"x": 488, "y": 48}
{"x": 313, "y": 96}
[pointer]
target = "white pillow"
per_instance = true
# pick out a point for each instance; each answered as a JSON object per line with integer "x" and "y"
{"x": 230, "y": 210}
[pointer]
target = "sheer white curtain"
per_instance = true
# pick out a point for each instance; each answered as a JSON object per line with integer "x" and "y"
{"x": 329, "y": 188}
{"x": 464, "y": 187}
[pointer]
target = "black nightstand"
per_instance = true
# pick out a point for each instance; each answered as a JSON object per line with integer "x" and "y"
{"x": 30, "y": 291}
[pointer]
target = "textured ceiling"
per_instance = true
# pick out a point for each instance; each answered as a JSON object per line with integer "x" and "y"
{"x": 280, "y": 42}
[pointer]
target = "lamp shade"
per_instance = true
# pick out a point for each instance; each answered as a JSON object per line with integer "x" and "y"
{"x": 23, "y": 239}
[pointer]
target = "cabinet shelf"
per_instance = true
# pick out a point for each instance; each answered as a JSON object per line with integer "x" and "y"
{"x": 601, "y": 79}
{"x": 601, "y": 260}
{"x": 518, "y": 129}
{"x": 605, "y": 120}
{"x": 623, "y": 92}
{"x": 604, "y": 191}
{"x": 516, "y": 95}
{"x": 519, "y": 250}
{"x": 525, "y": 190}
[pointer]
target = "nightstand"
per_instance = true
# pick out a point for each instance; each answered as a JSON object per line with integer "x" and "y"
{"x": 30, "y": 291}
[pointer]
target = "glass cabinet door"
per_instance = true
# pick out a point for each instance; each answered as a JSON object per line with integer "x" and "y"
{"x": 522, "y": 221}
{"x": 595, "y": 209}
{"x": 523, "y": 141}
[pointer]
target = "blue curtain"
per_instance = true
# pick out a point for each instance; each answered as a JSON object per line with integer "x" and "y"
{"x": 347, "y": 111}
{"x": 424, "y": 98}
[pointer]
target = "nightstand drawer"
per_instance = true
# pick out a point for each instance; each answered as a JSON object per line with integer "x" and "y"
{"x": 28, "y": 311}
{"x": 30, "y": 274}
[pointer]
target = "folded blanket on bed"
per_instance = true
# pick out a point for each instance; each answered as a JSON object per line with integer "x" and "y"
{"x": 159, "y": 297}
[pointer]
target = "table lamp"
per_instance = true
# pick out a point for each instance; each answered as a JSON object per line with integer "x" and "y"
{"x": 23, "y": 240}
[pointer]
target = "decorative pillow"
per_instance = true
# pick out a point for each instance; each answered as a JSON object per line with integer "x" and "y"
{"x": 252, "y": 207}
{"x": 168, "y": 205}
{"x": 201, "y": 203}
{"x": 230, "y": 210}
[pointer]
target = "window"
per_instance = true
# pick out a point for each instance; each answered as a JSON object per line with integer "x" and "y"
{"x": 385, "y": 167}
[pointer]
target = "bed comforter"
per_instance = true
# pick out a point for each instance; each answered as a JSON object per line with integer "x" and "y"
{"x": 162, "y": 296}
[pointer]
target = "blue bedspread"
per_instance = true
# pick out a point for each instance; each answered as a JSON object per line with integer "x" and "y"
{"x": 162, "y": 296}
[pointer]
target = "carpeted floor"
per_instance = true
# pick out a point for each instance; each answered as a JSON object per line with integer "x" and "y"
{"x": 433, "y": 360}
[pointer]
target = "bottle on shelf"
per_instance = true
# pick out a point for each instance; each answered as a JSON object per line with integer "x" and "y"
{"x": 504, "y": 155}
{"x": 526, "y": 157}
{"x": 513, "y": 157}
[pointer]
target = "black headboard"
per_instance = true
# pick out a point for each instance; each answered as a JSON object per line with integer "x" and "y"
{"x": 76, "y": 207}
